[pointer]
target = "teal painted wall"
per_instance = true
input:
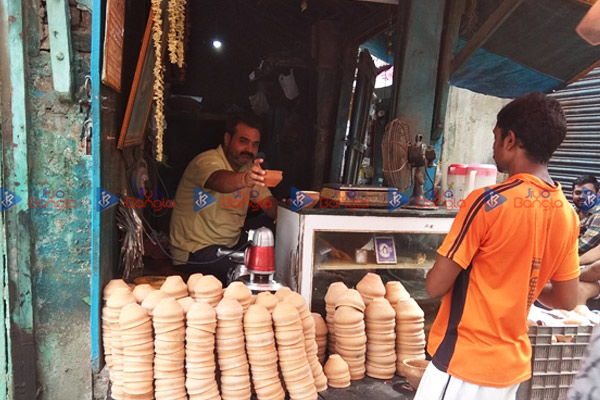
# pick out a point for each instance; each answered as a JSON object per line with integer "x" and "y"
{"x": 60, "y": 239}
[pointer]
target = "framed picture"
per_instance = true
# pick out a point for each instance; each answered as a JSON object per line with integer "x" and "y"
{"x": 142, "y": 88}
{"x": 385, "y": 250}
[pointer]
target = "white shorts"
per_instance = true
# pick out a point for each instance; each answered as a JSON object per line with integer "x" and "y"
{"x": 438, "y": 385}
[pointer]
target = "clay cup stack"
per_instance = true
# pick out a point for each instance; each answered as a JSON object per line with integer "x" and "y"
{"x": 266, "y": 299}
{"x": 336, "y": 369}
{"x": 200, "y": 365}
{"x": 231, "y": 350}
{"x": 335, "y": 290}
{"x": 262, "y": 354}
{"x": 350, "y": 337}
{"x": 395, "y": 291}
{"x": 310, "y": 342}
{"x": 321, "y": 336}
{"x": 208, "y": 289}
{"x": 174, "y": 287}
{"x": 137, "y": 337}
{"x": 380, "y": 319}
{"x": 410, "y": 337}
{"x": 240, "y": 292}
{"x": 291, "y": 349}
{"x": 169, "y": 348}
{"x": 370, "y": 286}
{"x": 118, "y": 299}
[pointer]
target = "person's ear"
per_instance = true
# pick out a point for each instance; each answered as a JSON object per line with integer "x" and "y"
{"x": 227, "y": 139}
{"x": 511, "y": 140}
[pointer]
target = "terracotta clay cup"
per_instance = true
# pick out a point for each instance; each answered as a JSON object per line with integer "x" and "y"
{"x": 273, "y": 177}
{"x": 413, "y": 370}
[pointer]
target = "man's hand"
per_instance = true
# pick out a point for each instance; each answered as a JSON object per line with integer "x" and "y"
{"x": 255, "y": 175}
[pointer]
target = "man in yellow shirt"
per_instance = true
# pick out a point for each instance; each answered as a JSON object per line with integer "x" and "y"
{"x": 212, "y": 200}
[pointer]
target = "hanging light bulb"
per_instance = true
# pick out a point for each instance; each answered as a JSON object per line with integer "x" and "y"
{"x": 217, "y": 44}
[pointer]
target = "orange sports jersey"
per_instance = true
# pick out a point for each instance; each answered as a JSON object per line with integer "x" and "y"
{"x": 510, "y": 239}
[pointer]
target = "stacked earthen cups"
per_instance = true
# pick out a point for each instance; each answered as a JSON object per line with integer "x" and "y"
{"x": 338, "y": 374}
{"x": 200, "y": 365}
{"x": 410, "y": 336}
{"x": 335, "y": 290}
{"x": 231, "y": 351}
{"x": 350, "y": 337}
{"x": 108, "y": 290}
{"x": 175, "y": 287}
{"x": 237, "y": 290}
{"x": 262, "y": 354}
{"x": 282, "y": 292}
{"x": 186, "y": 303}
{"x": 141, "y": 291}
{"x": 310, "y": 339}
{"x": 380, "y": 318}
{"x": 370, "y": 286}
{"x": 138, "y": 352}
{"x": 208, "y": 289}
{"x": 321, "y": 336}
{"x": 119, "y": 298}
{"x": 291, "y": 350}
{"x": 395, "y": 291}
{"x": 152, "y": 299}
{"x": 266, "y": 299}
{"x": 192, "y": 280}
{"x": 169, "y": 349}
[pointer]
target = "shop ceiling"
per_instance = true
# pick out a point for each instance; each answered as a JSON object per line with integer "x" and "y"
{"x": 505, "y": 47}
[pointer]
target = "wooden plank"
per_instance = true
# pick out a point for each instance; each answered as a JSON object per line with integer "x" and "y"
{"x": 402, "y": 263}
{"x": 583, "y": 73}
{"x": 5, "y": 362}
{"x": 60, "y": 44}
{"x": 452, "y": 18}
{"x": 95, "y": 283}
{"x": 22, "y": 382}
{"x": 504, "y": 10}
{"x": 113, "y": 44}
{"x": 415, "y": 72}
{"x": 372, "y": 25}
{"x": 349, "y": 62}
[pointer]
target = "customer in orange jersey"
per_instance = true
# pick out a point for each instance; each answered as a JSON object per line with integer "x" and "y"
{"x": 506, "y": 242}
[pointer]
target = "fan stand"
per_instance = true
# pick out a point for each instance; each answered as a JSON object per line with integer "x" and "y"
{"x": 417, "y": 199}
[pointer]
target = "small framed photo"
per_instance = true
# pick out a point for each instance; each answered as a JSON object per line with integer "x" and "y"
{"x": 385, "y": 250}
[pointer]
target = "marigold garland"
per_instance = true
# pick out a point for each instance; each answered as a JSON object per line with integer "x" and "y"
{"x": 159, "y": 75}
{"x": 176, "y": 31}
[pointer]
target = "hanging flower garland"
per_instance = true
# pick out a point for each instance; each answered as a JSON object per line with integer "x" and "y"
{"x": 176, "y": 31}
{"x": 176, "y": 15}
{"x": 159, "y": 76}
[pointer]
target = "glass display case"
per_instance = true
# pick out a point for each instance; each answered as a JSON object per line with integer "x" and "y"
{"x": 316, "y": 247}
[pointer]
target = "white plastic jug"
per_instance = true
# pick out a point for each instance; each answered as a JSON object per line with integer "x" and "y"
{"x": 457, "y": 183}
{"x": 480, "y": 175}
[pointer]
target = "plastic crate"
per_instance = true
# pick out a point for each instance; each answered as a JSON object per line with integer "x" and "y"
{"x": 554, "y": 365}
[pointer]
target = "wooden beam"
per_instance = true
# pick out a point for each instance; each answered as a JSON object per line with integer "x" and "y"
{"x": 372, "y": 25}
{"x": 504, "y": 10}
{"x": 60, "y": 44}
{"x": 453, "y": 14}
{"x": 21, "y": 381}
{"x": 583, "y": 73}
{"x": 394, "y": 2}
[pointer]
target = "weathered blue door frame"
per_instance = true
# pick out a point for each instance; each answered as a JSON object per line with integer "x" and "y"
{"x": 95, "y": 284}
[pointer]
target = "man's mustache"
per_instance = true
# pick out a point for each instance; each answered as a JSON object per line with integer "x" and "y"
{"x": 245, "y": 153}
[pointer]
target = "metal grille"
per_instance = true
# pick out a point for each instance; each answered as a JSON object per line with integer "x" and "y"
{"x": 580, "y": 152}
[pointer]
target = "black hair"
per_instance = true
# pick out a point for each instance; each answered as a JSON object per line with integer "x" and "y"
{"x": 241, "y": 117}
{"x": 538, "y": 122}
{"x": 584, "y": 179}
